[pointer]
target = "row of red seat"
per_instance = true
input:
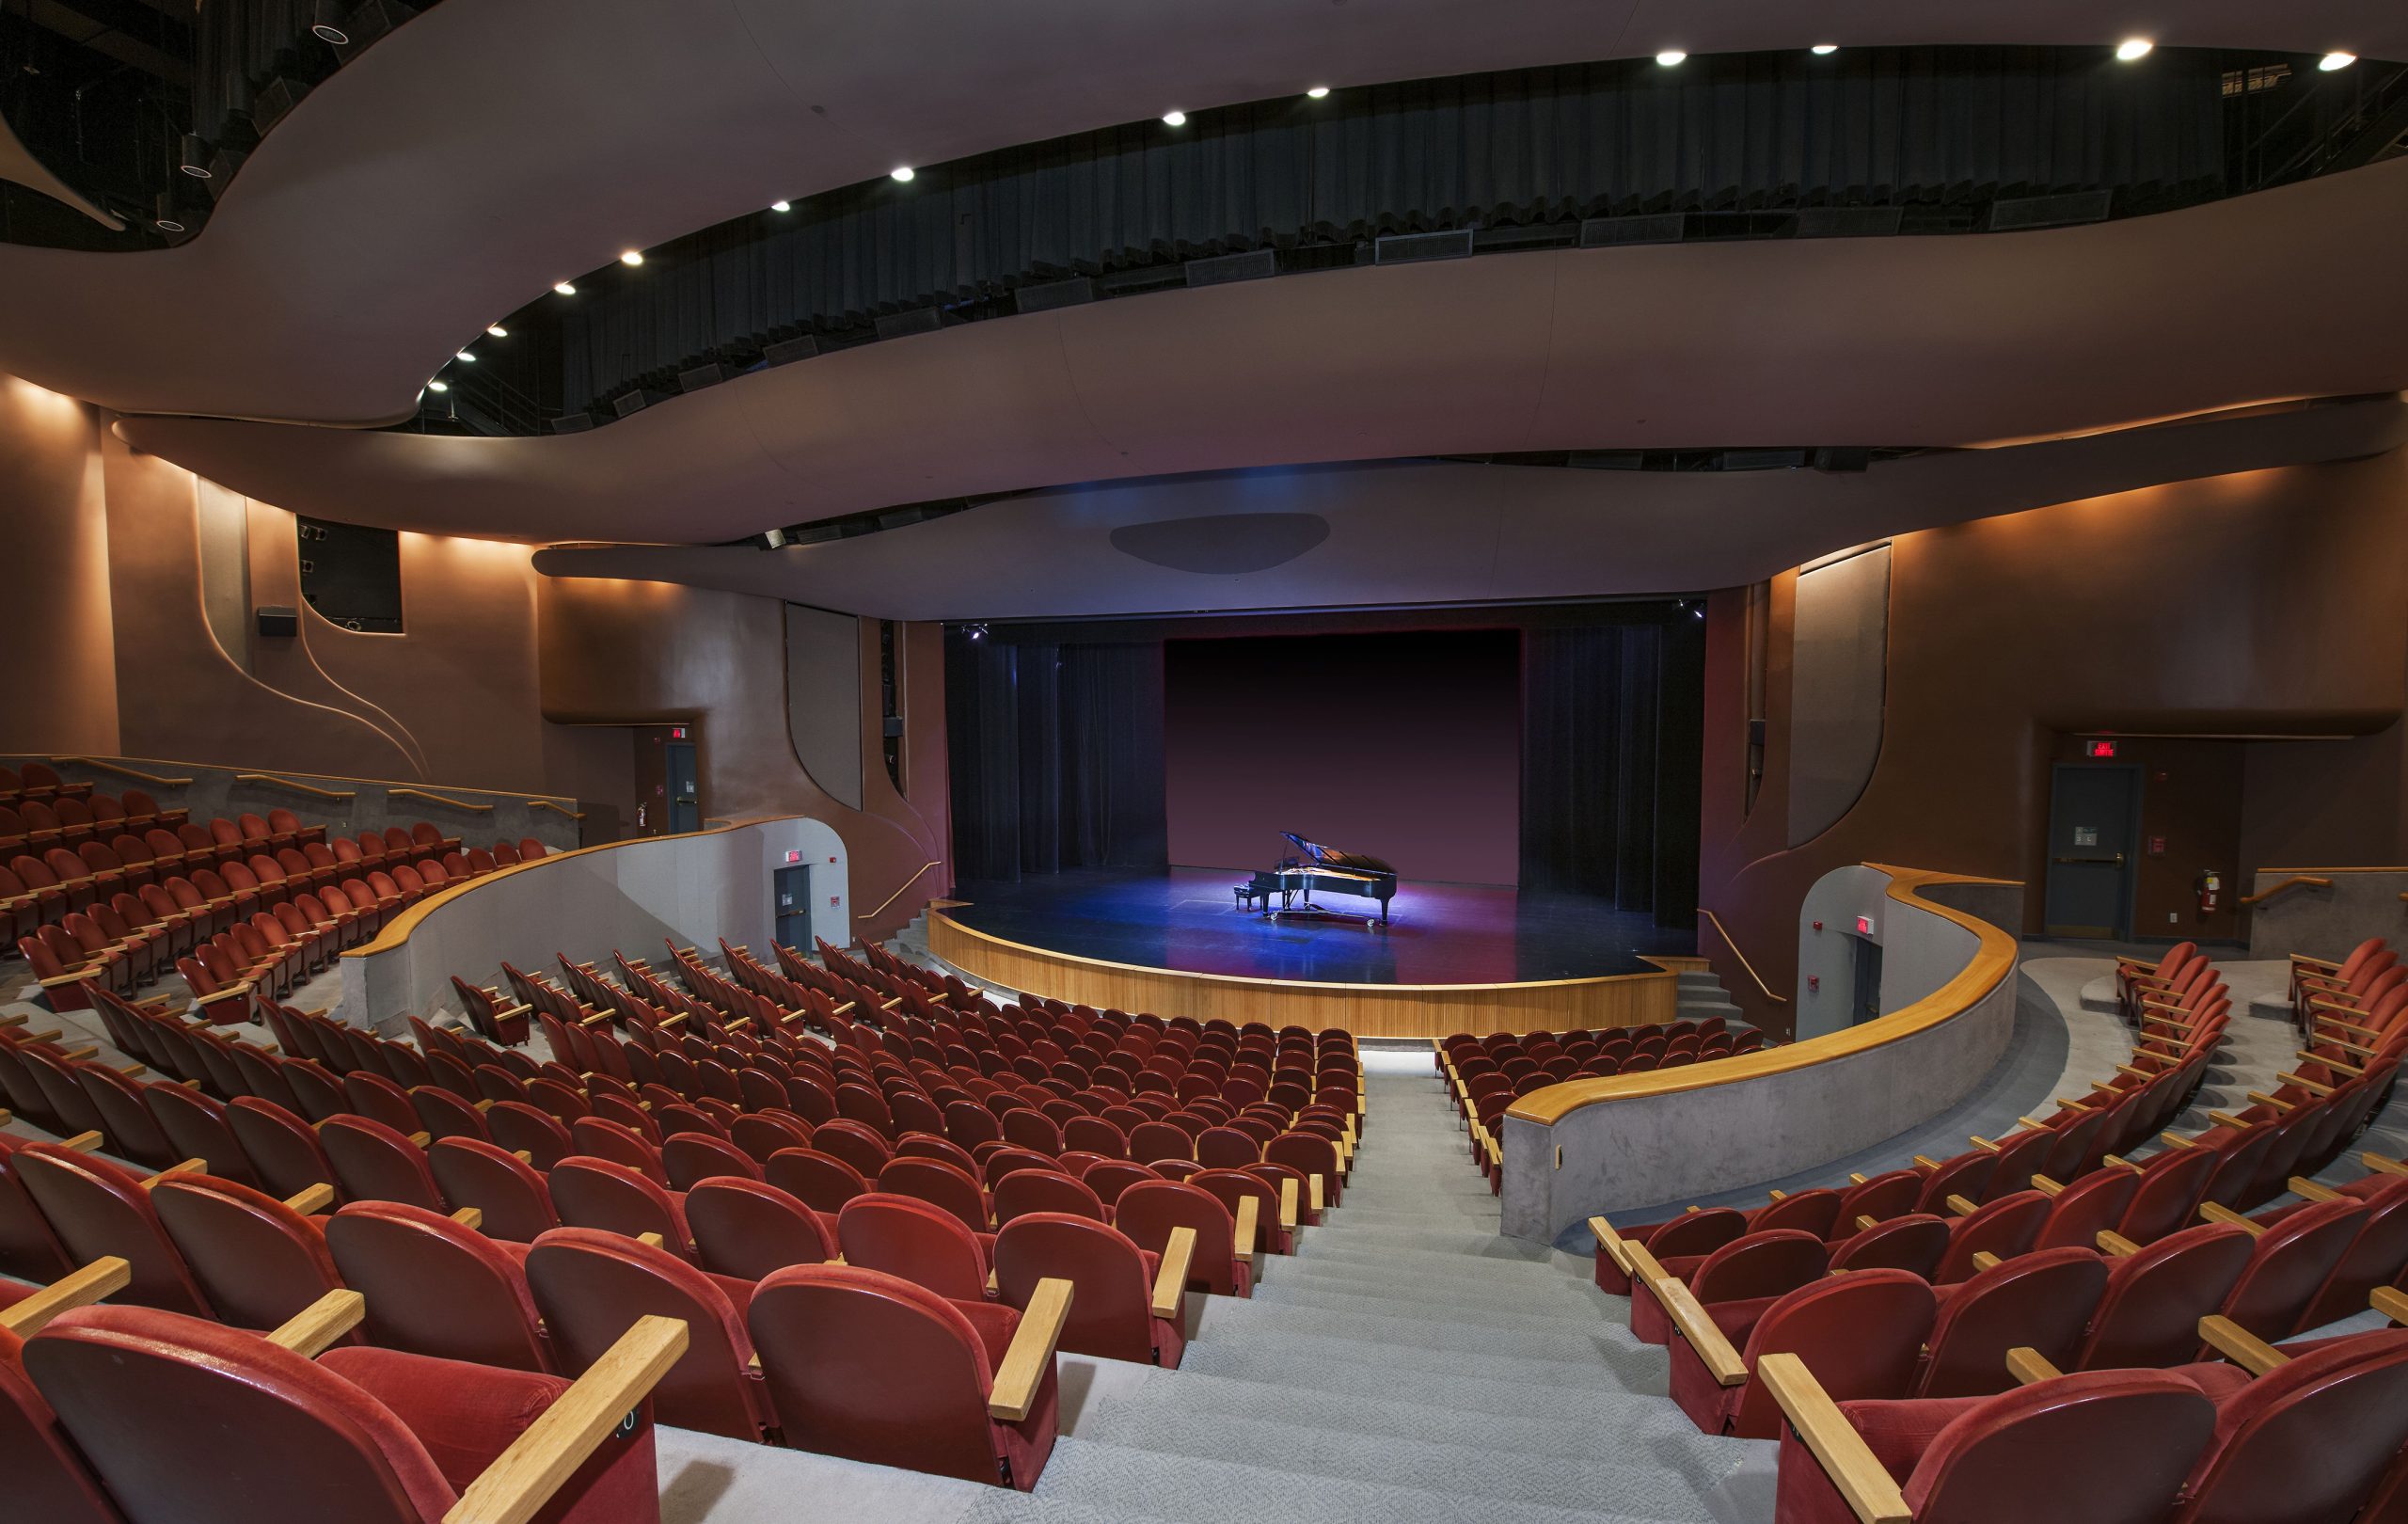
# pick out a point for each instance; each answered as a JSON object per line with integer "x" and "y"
{"x": 37, "y": 780}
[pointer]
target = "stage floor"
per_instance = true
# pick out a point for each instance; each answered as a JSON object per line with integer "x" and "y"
{"x": 1186, "y": 919}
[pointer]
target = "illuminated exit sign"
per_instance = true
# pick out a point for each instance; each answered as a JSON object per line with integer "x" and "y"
{"x": 1864, "y": 926}
{"x": 2099, "y": 748}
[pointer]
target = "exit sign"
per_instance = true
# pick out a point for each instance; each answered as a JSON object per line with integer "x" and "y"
{"x": 794, "y": 857}
{"x": 2099, "y": 748}
{"x": 1864, "y": 926}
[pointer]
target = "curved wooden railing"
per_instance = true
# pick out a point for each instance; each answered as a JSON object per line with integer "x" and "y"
{"x": 2297, "y": 880}
{"x": 900, "y": 887}
{"x": 123, "y": 770}
{"x": 438, "y": 799}
{"x": 1992, "y": 961}
{"x": 1728, "y": 941}
{"x": 296, "y": 784}
{"x": 556, "y": 807}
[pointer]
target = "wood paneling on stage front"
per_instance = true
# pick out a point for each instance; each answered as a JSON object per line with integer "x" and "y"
{"x": 1374, "y": 1011}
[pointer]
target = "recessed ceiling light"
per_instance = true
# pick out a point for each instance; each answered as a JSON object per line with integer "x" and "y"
{"x": 781, "y": 206}
{"x": 496, "y": 330}
{"x": 438, "y": 385}
{"x": 633, "y": 256}
{"x": 463, "y": 354}
{"x": 1671, "y": 56}
{"x": 1824, "y": 49}
{"x": 2134, "y": 47}
{"x": 2336, "y": 60}
{"x": 1317, "y": 92}
{"x": 566, "y": 289}
{"x": 1174, "y": 119}
{"x": 901, "y": 174}
{"x": 170, "y": 225}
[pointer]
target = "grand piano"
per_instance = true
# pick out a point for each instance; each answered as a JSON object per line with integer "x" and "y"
{"x": 1319, "y": 870}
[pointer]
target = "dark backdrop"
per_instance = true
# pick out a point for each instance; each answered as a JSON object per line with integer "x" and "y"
{"x": 1405, "y": 746}
{"x": 1572, "y": 767}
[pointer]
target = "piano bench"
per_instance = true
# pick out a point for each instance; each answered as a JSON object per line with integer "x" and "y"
{"x": 1246, "y": 894}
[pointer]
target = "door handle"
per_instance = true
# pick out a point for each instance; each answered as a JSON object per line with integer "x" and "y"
{"x": 2116, "y": 861}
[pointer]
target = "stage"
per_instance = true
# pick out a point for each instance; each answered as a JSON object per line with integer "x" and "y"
{"x": 1453, "y": 958}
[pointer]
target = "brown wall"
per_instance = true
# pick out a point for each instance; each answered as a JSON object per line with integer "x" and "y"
{"x": 2262, "y": 604}
{"x": 2192, "y": 800}
{"x": 59, "y": 682}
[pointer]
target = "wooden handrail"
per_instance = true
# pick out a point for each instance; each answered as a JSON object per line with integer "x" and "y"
{"x": 2292, "y": 883}
{"x": 130, "y": 773}
{"x": 288, "y": 783}
{"x": 1727, "y": 941}
{"x": 557, "y": 808}
{"x": 437, "y": 799}
{"x": 900, "y": 887}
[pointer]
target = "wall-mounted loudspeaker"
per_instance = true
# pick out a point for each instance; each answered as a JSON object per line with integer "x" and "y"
{"x": 277, "y": 620}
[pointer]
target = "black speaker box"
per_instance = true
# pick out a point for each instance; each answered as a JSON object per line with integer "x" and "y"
{"x": 275, "y": 620}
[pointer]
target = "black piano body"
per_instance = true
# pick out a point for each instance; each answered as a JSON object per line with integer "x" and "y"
{"x": 1324, "y": 870}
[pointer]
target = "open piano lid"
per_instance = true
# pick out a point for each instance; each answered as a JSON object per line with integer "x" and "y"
{"x": 1332, "y": 857}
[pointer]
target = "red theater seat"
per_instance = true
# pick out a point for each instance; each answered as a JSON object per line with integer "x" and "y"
{"x": 436, "y": 1286}
{"x": 1128, "y": 1304}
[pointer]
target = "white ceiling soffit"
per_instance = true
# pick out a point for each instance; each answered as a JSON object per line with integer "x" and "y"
{"x": 1922, "y": 341}
{"x": 1420, "y": 533}
{"x": 480, "y": 153}
{"x": 18, "y": 163}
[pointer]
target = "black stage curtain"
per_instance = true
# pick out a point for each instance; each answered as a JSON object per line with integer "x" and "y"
{"x": 1611, "y": 727}
{"x": 1057, "y": 756}
{"x": 1919, "y": 127}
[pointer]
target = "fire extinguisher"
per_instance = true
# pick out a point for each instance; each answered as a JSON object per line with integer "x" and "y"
{"x": 2210, "y": 889}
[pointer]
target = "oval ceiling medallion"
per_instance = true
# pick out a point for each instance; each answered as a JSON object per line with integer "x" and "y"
{"x": 1222, "y": 544}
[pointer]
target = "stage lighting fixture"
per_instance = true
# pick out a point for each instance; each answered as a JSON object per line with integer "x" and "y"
{"x": 1174, "y": 119}
{"x": 496, "y": 330}
{"x": 1824, "y": 50}
{"x": 781, "y": 206}
{"x": 438, "y": 385}
{"x": 565, "y": 288}
{"x": 463, "y": 354}
{"x": 2134, "y": 47}
{"x": 2332, "y": 61}
{"x": 1318, "y": 92}
{"x": 902, "y": 174}
{"x": 1671, "y": 56}
{"x": 977, "y": 632}
{"x": 195, "y": 156}
{"x": 328, "y": 21}
{"x": 631, "y": 258}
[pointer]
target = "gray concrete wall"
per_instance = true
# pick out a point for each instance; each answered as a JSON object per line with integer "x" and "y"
{"x": 219, "y": 791}
{"x": 630, "y": 896}
{"x": 2326, "y": 922}
{"x": 1642, "y": 1150}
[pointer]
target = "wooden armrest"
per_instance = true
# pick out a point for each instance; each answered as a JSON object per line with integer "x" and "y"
{"x": 1610, "y": 1242}
{"x": 1031, "y": 1354}
{"x": 2307, "y": 1190}
{"x": 654, "y": 1240}
{"x": 595, "y": 1020}
{"x": 2120, "y": 1162}
{"x": 49, "y": 1036}
{"x": 1171, "y": 1285}
{"x": 1860, "y": 1480}
{"x": 1288, "y": 1204}
{"x": 1962, "y": 1207}
{"x": 2075, "y": 1105}
{"x": 78, "y": 1054}
{"x": 2316, "y": 963}
{"x": 2210, "y": 1212}
{"x": 1313, "y": 1183}
{"x": 2047, "y": 1186}
{"x": 1983, "y": 1144}
{"x": 77, "y": 976}
{"x": 232, "y": 991}
{"x": 1712, "y": 1347}
{"x": 2027, "y": 1365}
{"x": 1922, "y": 1162}
{"x": 2391, "y": 1303}
{"x": 1249, "y": 1227}
{"x": 2351, "y": 1027}
{"x": 2310, "y": 1086}
{"x": 517, "y": 1484}
{"x": 2262, "y": 1099}
{"x": 2177, "y": 1141}
{"x": 309, "y": 1331}
{"x": 2225, "y": 1118}
{"x": 2242, "y": 1347}
{"x": 469, "y": 1217}
{"x": 2381, "y": 1165}
{"x": 2336, "y": 1064}
{"x": 104, "y": 1277}
{"x": 129, "y": 1071}
{"x": 841, "y": 1009}
{"x": 2116, "y": 1245}
{"x": 313, "y": 1199}
{"x": 81, "y": 1142}
{"x": 522, "y": 1156}
{"x": 2136, "y": 1074}
{"x": 1983, "y": 1260}
{"x": 2360, "y": 1049}
{"x": 182, "y": 1166}
{"x": 1864, "y": 1221}
{"x": 1777, "y": 1196}
{"x": 674, "y": 1021}
{"x": 739, "y": 1024}
{"x": 2037, "y": 1124}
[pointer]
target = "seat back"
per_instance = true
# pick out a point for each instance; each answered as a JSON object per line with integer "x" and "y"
{"x": 1025, "y": 1192}
{"x": 604, "y": 1194}
{"x": 1814, "y": 1211}
{"x": 1861, "y": 1334}
{"x": 2005, "y": 1227}
{"x": 691, "y": 1158}
{"x": 873, "y": 1368}
{"x": 513, "y": 1198}
{"x": 434, "y": 1286}
{"x": 2128, "y": 1434}
{"x": 517, "y": 1127}
{"x": 284, "y": 1149}
{"x": 258, "y": 1261}
{"x": 2041, "y": 1301}
{"x": 820, "y": 1181}
{"x": 1111, "y": 1304}
{"x": 2289, "y": 1263}
{"x": 2309, "y": 1442}
{"x": 2090, "y": 1206}
{"x": 1149, "y": 1210}
{"x": 749, "y": 1227}
{"x": 1761, "y": 1264}
{"x": 590, "y": 1285}
{"x": 46, "y": 1479}
{"x": 2171, "y": 1188}
{"x": 1697, "y": 1233}
{"x": 2149, "y": 1313}
{"x": 920, "y": 1242}
{"x": 940, "y": 1184}
{"x": 376, "y": 1163}
{"x": 1882, "y": 1197}
{"x": 2373, "y": 1259}
{"x": 99, "y": 1209}
{"x": 1913, "y": 1244}
{"x": 197, "y": 1127}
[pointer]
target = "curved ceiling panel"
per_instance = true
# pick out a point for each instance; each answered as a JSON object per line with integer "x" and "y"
{"x": 1422, "y": 531}
{"x": 2293, "y": 293}
{"x": 483, "y": 152}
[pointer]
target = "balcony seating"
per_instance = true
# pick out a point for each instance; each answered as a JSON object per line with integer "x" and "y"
{"x": 436, "y": 1286}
